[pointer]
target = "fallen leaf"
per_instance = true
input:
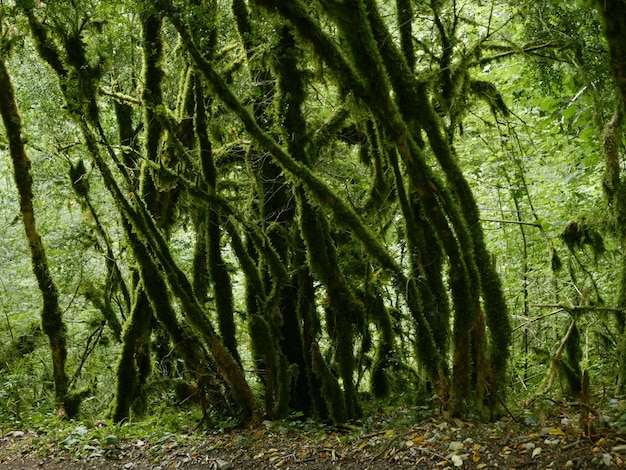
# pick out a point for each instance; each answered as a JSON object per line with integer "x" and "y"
{"x": 536, "y": 452}
{"x": 457, "y": 461}
{"x": 222, "y": 464}
{"x": 455, "y": 445}
{"x": 556, "y": 432}
{"x": 389, "y": 433}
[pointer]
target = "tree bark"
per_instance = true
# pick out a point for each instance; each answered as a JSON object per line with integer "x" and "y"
{"x": 51, "y": 316}
{"x": 614, "y": 14}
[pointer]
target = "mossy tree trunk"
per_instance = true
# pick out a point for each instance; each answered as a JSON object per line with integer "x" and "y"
{"x": 74, "y": 72}
{"x": 393, "y": 250}
{"x": 276, "y": 209}
{"x": 614, "y": 14}
{"x": 51, "y": 317}
{"x": 376, "y": 73}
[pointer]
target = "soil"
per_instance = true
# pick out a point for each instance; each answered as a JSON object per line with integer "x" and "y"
{"x": 431, "y": 444}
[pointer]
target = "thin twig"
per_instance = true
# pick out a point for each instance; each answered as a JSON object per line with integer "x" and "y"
{"x": 92, "y": 342}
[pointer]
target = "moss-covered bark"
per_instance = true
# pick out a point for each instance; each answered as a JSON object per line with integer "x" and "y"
{"x": 51, "y": 317}
{"x": 377, "y": 72}
{"x": 302, "y": 246}
{"x": 614, "y": 14}
{"x": 217, "y": 269}
{"x": 132, "y": 357}
{"x": 146, "y": 228}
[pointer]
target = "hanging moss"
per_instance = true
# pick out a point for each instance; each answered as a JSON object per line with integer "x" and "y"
{"x": 581, "y": 233}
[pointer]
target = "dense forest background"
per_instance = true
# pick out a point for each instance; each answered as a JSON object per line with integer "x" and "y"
{"x": 253, "y": 209}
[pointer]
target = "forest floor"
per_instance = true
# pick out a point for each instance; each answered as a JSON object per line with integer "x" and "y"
{"x": 554, "y": 442}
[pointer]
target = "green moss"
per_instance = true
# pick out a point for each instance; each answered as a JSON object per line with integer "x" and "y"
{"x": 72, "y": 401}
{"x": 571, "y": 362}
{"x": 331, "y": 391}
{"x": 128, "y": 377}
{"x": 381, "y": 373}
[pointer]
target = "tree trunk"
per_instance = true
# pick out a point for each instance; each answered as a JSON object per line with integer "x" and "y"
{"x": 51, "y": 317}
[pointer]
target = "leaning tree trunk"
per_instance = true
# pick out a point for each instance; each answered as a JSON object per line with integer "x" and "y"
{"x": 614, "y": 15}
{"x": 51, "y": 317}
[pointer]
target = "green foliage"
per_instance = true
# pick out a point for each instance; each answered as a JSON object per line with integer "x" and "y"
{"x": 399, "y": 185}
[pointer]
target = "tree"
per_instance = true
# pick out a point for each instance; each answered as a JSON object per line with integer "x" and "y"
{"x": 51, "y": 317}
{"x": 298, "y": 178}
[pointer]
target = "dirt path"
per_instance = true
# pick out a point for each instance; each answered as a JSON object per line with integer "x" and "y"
{"x": 431, "y": 445}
